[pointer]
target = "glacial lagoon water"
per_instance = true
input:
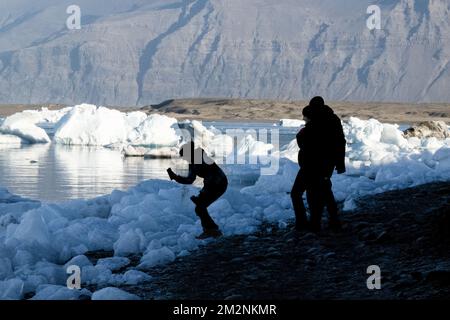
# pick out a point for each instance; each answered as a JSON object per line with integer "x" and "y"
{"x": 56, "y": 173}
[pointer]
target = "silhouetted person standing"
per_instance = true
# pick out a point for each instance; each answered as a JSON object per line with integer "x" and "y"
{"x": 300, "y": 186}
{"x": 322, "y": 150}
{"x": 215, "y": 185}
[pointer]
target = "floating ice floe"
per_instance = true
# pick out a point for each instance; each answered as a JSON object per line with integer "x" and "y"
{"x": 157, "y": 131}
{"x": 8, "y": 139}
{"x": 134, "y": 133}
{"x": 151, "y": 153}
{"x": 24, "y": 125}
{"x": 132, "y": 151}
{"x": 292, "y": 123}
{"x": 90, "y": 125}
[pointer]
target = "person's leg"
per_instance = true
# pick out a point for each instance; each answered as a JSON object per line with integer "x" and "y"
{"x": 297, "y": 191}
{"x": 206, "y": 220}
{"x": 207, "y": 196}
{"x": 316, "y": 203}
{"x": 331, "y": 205}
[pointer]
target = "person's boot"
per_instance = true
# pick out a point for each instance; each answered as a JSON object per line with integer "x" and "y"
{"x": 334, "y": 225}
{"x": 209, "y": 233}
{"x": 314, "y": 226}
{"x": 301, "y": 222}
{"x": 301, "y": 226}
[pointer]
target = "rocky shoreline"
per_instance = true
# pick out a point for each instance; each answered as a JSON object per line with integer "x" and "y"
{"x": 406, "y": 233}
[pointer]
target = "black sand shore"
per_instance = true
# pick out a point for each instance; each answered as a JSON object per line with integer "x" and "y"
{"x": 406, "y": 233}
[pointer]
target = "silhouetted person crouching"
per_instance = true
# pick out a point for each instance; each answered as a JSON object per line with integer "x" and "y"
{"x": 215, "y": 185}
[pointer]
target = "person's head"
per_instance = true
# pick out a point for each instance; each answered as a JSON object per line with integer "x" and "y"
{"x": 307, "y": 114}
{"x": 187, "y": 151}
{"x": 317, "y": 102}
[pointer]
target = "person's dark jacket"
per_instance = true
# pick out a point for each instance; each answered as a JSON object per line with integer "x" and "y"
{"x": 300, "y": 142}
{"x": 322, "y": 144}
{"x": 204, "y": 167}
{"x": 336, "y": 133}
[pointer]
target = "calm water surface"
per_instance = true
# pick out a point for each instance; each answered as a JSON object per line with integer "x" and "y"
{"x": 55, "y": 173}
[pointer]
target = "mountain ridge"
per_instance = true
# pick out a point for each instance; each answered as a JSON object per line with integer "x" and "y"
{"x": 143, "y": 52}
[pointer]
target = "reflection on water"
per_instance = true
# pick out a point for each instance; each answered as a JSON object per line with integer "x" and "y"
{"x": 53, "y": 172}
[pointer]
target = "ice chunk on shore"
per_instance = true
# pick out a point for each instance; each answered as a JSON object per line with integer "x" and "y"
{"x": 379, "y": 158}
{"x": 31, "y": 229}
{"x": 249, "y": 145}
{"x": 111, "y": 293}
{"x": 442, "y": 157}
{"x": 133, "y": 277}
{"x": 11, "y": 289}
{"x": 114, "y": 263}
{"x": 392, "y": 135}
{"x": 156, "y": 257}
{"x": 5, "y": 268}
{"x": 56, "y": 292}
{"x": 289, "y": 151}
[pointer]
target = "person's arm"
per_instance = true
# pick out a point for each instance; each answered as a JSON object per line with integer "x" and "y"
{"x": 183, "y": 180}
{"x": 340, "y": 147}
{"x": 300, "y": 137}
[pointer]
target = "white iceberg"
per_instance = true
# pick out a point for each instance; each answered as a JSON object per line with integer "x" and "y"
{"x": 92, "y": 126}
{"x": 24, "y": 125}
{"x": 155, "y": 131}
{"x": 213, "y": 141}
{"x": 9, "y": 139}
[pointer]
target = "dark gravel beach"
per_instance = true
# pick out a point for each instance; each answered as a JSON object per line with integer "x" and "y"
{"x": 406, "y": 233}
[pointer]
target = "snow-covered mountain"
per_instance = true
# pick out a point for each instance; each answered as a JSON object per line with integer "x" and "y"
{"x": 137, "y": 52}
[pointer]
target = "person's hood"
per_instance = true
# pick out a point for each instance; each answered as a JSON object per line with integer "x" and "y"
{"x": 323, "y": 112}
{"x": 327, "y": 110}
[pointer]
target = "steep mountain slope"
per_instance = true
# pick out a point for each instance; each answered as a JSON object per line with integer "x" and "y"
{"x": 141, "y": 52}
